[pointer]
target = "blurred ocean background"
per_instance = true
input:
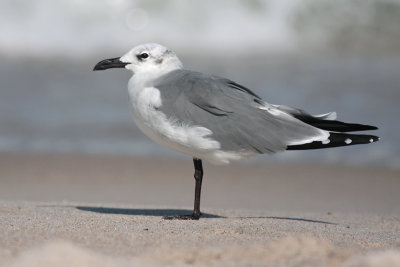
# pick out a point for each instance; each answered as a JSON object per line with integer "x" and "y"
{"x": 320, "y": 56}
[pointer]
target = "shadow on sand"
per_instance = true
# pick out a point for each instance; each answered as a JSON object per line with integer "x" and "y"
{"x": 144, "y": 212}
{"x": 290, "y": 219}
{"x": 172, "y": 212}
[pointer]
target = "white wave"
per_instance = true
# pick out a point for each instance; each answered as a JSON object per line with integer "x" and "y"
{"x": 78, "y": 27}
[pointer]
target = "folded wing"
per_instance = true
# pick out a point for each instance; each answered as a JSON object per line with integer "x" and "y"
{"x": 237, "y": 117}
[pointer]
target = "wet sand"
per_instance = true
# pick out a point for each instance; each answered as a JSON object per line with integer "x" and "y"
{"x": 68, "y": 210}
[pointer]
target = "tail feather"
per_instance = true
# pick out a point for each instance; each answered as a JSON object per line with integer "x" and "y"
{"x": 336, "y": 140}
{"x": 325, "y": 122}
{"x": 334, "y": 125}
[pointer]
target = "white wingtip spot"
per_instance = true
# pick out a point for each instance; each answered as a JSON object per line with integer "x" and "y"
{"x": 325, "y": 142}
{"x": 348, "y": 141}
{"x": 371, "y": 140}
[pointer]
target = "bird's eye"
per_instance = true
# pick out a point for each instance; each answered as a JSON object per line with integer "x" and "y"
{"x": 143, "y": 55}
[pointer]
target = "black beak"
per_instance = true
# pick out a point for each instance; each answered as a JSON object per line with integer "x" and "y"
{"x": 110, "y": 63}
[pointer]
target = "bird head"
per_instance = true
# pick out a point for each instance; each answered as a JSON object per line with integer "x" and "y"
{"x": 145, "y": 58}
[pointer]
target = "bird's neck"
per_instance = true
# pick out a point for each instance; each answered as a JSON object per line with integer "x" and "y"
{"x": 145, "y": 78}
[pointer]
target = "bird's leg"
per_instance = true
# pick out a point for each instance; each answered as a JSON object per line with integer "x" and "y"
{"x": 198, "y": 176}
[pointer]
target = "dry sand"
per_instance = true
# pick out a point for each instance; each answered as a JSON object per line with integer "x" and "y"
{"x": 108, "y": 211}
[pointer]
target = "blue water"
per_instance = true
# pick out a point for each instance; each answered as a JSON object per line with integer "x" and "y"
{"x": 61, "y": 106}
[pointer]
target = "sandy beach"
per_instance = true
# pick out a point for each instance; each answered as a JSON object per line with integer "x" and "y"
{"x": 69, "y": 210}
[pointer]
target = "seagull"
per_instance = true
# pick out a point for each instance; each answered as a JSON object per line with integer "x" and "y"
{"x": 216, "y": 119}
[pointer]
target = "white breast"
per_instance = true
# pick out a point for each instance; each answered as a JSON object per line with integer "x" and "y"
{"x": 189, "y": 139}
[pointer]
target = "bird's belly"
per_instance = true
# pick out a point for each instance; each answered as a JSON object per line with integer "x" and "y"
{"x": 190, "y": 139}
{"x": 184, "y": 139}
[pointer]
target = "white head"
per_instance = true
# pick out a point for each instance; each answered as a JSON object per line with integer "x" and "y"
{"x": 146, "y": 58}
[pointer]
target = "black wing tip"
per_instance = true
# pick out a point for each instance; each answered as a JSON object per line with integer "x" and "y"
{"x": 368, "y": 127}
{"x": 334, "y": 125}
{"x": 337, "y": 140}
{"x": 353, "y": 127}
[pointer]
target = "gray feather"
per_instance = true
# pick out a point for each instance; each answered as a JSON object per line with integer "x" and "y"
{"x": 231, "y": 111}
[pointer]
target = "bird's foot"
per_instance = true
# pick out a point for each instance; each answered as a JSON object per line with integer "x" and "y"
{"x": 182, "y": 217}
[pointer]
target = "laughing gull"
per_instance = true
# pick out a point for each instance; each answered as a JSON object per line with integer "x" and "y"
{"x": 216, "y": 119}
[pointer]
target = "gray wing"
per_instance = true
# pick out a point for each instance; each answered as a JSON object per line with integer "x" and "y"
{"x": 237, "y": 117}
